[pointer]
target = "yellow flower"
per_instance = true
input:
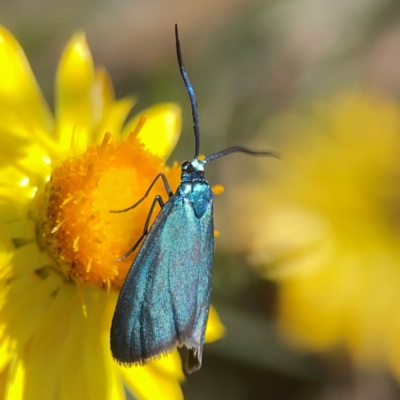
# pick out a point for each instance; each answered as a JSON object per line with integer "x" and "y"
{"x": 330, "y": 229}
{"x": 59, "y": 177}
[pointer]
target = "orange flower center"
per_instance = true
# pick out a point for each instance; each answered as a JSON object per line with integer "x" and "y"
{"x": 79, "y": 231}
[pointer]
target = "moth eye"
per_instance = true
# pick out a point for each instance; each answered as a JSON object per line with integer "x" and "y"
{"x": 185, "y": 165}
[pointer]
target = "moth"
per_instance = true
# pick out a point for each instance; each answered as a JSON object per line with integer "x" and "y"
{"x": 165, "y": 299}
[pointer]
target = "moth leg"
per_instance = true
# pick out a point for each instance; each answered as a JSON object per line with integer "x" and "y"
{"x": 156, "y": 200}
{"x": 167, "y": 189}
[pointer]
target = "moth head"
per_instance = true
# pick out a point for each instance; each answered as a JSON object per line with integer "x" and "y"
{"x": 193, "y": 167}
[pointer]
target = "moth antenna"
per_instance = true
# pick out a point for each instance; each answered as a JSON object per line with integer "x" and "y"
{"x": 240, "y": 149}
{"x": 190, "y": 91}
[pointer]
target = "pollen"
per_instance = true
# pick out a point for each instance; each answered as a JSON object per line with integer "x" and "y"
{"x": 76, "y": 225}
{"x": 218, "y": 189}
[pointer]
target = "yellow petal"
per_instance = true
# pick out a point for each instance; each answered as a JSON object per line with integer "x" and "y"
{"x": 10, "y": 176}
{"x": 25, "y": 229}
{"x": 6, "y": 254}
{"x": 4, "y": 375}
{"x": 215, "y": 329}
{"x": 12, "y": 148}
{"x": 111, "y": 114}
{"x": 102, "y": 380}
{"x": 44, "y": 353}
{"x": 17, "y": 194}
{"x": 148, "y": 384}
{"x": 16, "y": 331}
{"x": 104, "y": 86}
{"x": 72, "y": 385}
{"x": 113, "y": 119}
{"x": 16, "y": 381}
{"x": 88, "y": 368}
{"x": 10, "y": 212}
{"x": 75, "y": 95}
{"x": 162, "y": 129}
{"x": 22, "y": 104}
{"x": 29, "y": 258}
{"x": 170, "y": 364}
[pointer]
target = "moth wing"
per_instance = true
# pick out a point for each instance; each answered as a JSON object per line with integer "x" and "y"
{"x": 194, "y": 288}
{"x": 164, "y": 301}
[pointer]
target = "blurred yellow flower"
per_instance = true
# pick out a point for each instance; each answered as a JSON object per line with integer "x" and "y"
{"x": 329, "y": 227}
{"x": 59, "y": 177}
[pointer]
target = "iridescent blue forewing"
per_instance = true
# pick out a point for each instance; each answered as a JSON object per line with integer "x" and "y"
{"x": 165, "y": 299}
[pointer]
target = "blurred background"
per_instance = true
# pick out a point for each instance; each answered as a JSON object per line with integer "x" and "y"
{"x": 307, "y": 268}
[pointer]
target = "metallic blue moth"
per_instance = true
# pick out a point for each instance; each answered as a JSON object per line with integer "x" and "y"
{"x": 165, "y": 299}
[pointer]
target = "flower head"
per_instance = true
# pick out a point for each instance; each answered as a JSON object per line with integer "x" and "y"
{"x": 60, "y": 176}
{"x": 330, "y": 228}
